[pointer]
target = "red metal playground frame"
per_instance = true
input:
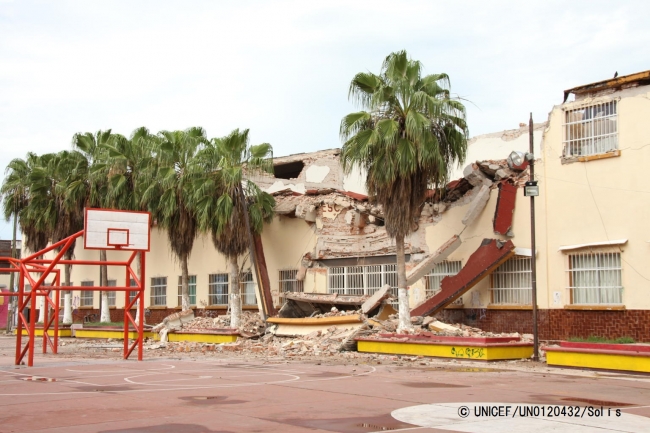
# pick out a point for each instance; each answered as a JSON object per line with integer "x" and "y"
{"x": 46, "y": 268}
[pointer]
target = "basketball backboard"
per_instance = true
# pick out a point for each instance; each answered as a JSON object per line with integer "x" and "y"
{"x": 107, "y": 229}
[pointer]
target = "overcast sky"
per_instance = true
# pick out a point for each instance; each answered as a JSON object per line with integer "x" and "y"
{"x": 282, "y": 68}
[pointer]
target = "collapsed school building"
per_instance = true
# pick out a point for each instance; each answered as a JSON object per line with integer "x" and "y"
{"x": 469, "y": 261}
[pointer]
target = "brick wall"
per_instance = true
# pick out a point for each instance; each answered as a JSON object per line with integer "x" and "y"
{"x": 557, "y": 324}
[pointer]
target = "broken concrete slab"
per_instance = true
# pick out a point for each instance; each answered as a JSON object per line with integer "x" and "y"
{"x": 489, "y": 255}
{"x": 477, "y": 205}
{"x": 430, "y": 262}
{"x": 439, "y": 326}
{"x": 475, "y": 176}
{"x": 291, "y": 327}
{"x": 373, "y": 302}
{"x": 299, "y": 305}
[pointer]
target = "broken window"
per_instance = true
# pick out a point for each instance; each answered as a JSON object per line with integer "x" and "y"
{"x": 361, "y": 280}
{"x": 595, "y": 278}
{"x": 510, "y": 283}
{"x": 159, "y": 291}
{"x": 441, "y": 270}
{"x": 247, "y": 286}
{"x": 289, "y": 170}
{"x": 591, "y": 130}
{"x": 191, "y": 283}
{"x": 218, "y": 289}
{"x": 86, "y": 297}
{"x": 111, "y": 295}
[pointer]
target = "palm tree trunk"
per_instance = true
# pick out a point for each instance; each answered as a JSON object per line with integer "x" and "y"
{"x": 105, "y": 315}
{"x": 235, "y": 294}
{"x": 185, "y": 288}
{"x": 402, "y": 292}
{"x": 67, "y": 295}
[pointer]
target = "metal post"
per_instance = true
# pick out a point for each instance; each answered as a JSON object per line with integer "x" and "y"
{"x": 533, "y": 264}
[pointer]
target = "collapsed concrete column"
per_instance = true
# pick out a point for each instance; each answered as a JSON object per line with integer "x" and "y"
{"x": 477, "y": 205}
{"x": 430, "y": 262}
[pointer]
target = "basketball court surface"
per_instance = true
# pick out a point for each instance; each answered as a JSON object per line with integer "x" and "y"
{"x": 196, "y": 393}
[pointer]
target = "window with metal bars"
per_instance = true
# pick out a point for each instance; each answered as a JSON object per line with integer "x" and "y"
{"x": 288, "y": 282}
{"x": 191, "y": 282}
{"x": 86, "y": 296}
{"x": 511, "y": 282}
{"x": 590, "y": 130}
{"x": 159, "y": 291}
{"x": 133, "y": 293}
{"x": 361, "y": 280}
{"x": 218, "y": 289}
{"x": 595, "y": 278}
{"x": 111, "y": 295}
{"x": 441, "y": 270}
{"x": 247, "y": 286}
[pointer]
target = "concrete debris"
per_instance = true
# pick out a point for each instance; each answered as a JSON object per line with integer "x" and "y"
{"x": 425, "y": 266}
{"x": 372, "y": 302}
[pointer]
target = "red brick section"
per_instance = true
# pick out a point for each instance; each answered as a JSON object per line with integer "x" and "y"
{"x": 557, "y": 324}
{"x": 505, "y": 208}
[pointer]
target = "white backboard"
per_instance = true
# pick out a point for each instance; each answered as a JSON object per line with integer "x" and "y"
{"x": 107, "y": 229}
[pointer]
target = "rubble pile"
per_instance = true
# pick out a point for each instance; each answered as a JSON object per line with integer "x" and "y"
{"x": 251, "y": 323}
{"x": 334, "y": 312}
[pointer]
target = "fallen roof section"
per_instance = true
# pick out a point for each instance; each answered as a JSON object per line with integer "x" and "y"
{"x": 505, "y": 208}
{"x": 489, "y": 255}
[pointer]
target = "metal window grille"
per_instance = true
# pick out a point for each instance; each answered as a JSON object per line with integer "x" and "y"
{"x": 159, "y": 291}
{"x": 511, "y": 282}
{"x": 111, "y": 295}
{"x": 440, "y": 271}
{"x": 361, "y": 280}
{"x": 288, "y": 283}
{"x": 595, "y": 278}
{"x": 218, "y": 289}
{"x": 191, "y": 280}
{"x": 591, "y": 130}
{"x": 86, "y": 296}
{"x": 133, "y": 293}
{"x": 247, "y": 287}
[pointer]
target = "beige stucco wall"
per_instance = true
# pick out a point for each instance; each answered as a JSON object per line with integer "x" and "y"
{"x": 601, "y": 200}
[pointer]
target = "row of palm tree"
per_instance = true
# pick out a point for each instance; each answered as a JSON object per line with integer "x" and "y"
{"x": 189, "y": 183}
{"x": 409, "y": 133}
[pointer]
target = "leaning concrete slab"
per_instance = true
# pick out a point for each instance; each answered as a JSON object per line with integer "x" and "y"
{"x": 374, "y": 301}
{"x": 477, "y": 205}
{"x": 427, "y": 264}
{"x": 481, "y": 263}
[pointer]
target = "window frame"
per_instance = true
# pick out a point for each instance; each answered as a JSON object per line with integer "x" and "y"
{"x": 574, "y": 143}
{"x": 520, "y": 265}
{"x": 387, "y": 275}
{"x": 85, "y": 294}
{"x": 428, "y": 283}
{"x": 112, "y": 295}
{"x": 213, "y": 284}
{"x": 154, "y": 297}
{"x": 191, "y": 285}
{"x": 572, "y": 272}
{"x": 246, "y": 286}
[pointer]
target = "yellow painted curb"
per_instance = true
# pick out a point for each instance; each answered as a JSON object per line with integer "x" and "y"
{"x": 201, "y": 338}
{"x": 456, "y": 351}
{"x": 39, "y": 332}
{"x": 603, "y": 361}
{"x": 99, "y": 333}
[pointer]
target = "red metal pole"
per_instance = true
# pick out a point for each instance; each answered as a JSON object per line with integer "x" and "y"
{"x": 46, "y": 319}
{"x": 141, "y": 306}
{"x": 19, "y": 314}
{"x": 127, "y": 282}
{"x": 56, "y": 313}
{"x": 32, "y": 327}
